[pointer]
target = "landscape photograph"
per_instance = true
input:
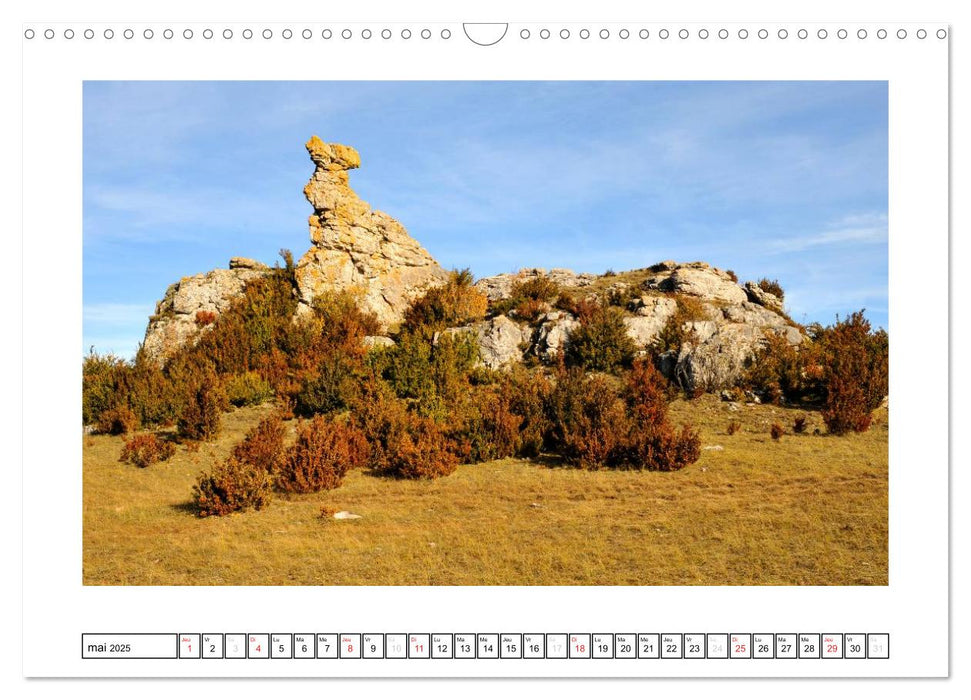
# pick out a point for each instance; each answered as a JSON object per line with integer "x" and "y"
{"x": 485, "y": 333}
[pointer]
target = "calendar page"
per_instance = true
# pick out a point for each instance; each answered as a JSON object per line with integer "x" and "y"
{"x": 454, "y": 348}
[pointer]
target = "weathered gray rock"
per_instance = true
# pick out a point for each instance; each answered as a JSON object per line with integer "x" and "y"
{"x": 718, "y": 360}
{"x": 239, "y": 263}
{"x": 499, "y": 340}
{"x": 644, "y": 330}
{"x": 180, "y": 317}
{"x": 761, "y": 297}
{"x": 697, "y": 279}
{"x": 378, "y": 341}
{"x": 500, "y": 286}
{"x": 649, "y": 305}
{"x": 552, "y": 335}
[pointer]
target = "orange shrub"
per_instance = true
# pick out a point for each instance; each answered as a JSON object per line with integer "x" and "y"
{"x": 592, "y": 423}
{"x": 733, "y": 427}
{"x": 455, "y": 303}
{"x": 231, "y": 486}
{"x": 662, "y": 448}
{"x": 855, "y": 364}
{"x": 200, "y": 416}
{"x": 597, "y": 425}
{"x": 421, "y": 452}
{"x": 528, "y": 394}
{"x": 119, "y": 420}
{"x": 799, "y": 424}
{"x": 487, "y": 426}
{"x": 205, "y": 318}
{"x": 147, "y": 449}
{"x": 326, "y": 449}
{"x": 531, "y": 309}
{"x": 772, "y": 287}
{"x": 263, "y": 445}
{"x": 776, "y": 431}
{"x": 646, "y": 393}
{"x": 382, "y": 418}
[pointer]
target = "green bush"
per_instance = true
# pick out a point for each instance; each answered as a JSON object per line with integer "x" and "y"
{"x": 777, "y": 371}
{"x": 329, "y": 389}
{"x": 529, "y": 298}
{"x": 600, "y": 341}
{"x": 99, "y": 375}
{"x": 430, "y": 373}
{"x": 247, "y": 389}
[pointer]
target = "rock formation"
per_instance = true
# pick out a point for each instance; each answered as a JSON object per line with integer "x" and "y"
{"x": 356, "y": 248}
{"x": 192, "y": 302}
{"x": 735, "y": 320}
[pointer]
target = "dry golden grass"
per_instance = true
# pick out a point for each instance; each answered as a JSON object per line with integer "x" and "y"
{"x": 804, "y": 510}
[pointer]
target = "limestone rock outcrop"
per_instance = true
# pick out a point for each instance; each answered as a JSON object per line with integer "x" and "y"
{"x": 697, "y": 279}
{"x": 356, "y": 248}
{"x": 192, "y": 303}
{"x": 367, "y": 252}
{"x": 499, "y": 340}
{"x": 551, "y": 336}
{"x": 500, "y": 286}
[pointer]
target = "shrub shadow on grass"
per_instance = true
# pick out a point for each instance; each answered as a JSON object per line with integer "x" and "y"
{"x": 186, "y": 507}
{"x": 551, "y": 461}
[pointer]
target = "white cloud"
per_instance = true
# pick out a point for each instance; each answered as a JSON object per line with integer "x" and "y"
{"x": 864, "y": 228}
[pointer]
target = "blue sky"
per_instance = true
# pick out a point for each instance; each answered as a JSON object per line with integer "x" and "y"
{"x": 785, "y": 180}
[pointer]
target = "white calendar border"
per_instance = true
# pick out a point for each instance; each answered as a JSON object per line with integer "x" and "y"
{"x": 913, "y": 608}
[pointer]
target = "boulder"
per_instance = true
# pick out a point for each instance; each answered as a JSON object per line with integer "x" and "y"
{"x": 699, "y": 280}
{"x": 551, "y": 337}
{"x": 499, "y": 340}
{"x": 246, "y": 264}
{"x": 652, "y": 314}
{"x": 759, "y": 296}
{"x": 718, "y": 360}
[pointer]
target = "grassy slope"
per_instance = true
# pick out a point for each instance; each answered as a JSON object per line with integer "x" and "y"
{"x": 807, "y": 510}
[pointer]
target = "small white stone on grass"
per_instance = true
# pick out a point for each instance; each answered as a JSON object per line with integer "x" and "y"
{"x": 345, "y": 515}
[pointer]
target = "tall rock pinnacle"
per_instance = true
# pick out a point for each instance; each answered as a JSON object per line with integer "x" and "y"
{"x": 356, "y": 248}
